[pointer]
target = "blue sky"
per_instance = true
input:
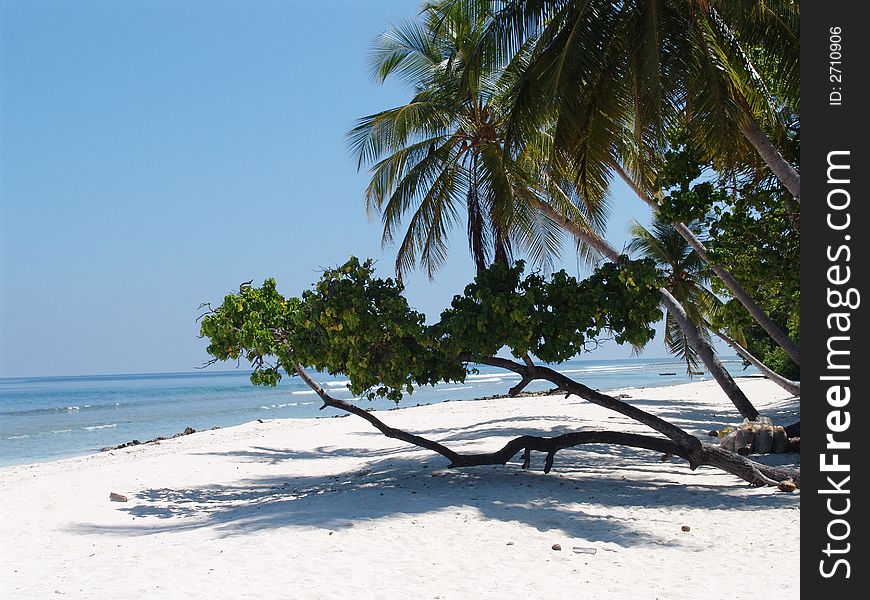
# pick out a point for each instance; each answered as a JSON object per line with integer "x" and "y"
{"x": 155, "y": 154}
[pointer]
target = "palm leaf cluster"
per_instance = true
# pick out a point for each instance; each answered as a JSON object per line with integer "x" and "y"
{"x": 522, "y": 112}
{"x": 548, "y": 97}
{"x": 440, "y": 159}
{"x": 686, "y": 278}
{"x": 617, "y": 76}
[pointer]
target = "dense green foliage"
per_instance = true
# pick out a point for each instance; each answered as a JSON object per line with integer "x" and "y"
{"x": 350, "y": 323}
{"x": 359, "y": 325}
{"x": 552, "y": 318}
{"x": 753, "y": 236}
{"x": 749, "y": 232}
{"x": 685, "y": 197}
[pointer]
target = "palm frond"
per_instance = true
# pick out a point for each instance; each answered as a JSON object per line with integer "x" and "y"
{"x": 678, "y": 344}
{"x": 406, "y": 50}
{"x": 391, "y": 130}
{"x": 426, "y": 237}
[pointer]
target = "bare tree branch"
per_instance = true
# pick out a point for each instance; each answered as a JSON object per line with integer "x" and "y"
{"x": 689, "y": 443}
{"x": 697, "y": 454}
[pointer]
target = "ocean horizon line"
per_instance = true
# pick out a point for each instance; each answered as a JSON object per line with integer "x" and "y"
{"x": 199, "y": 371}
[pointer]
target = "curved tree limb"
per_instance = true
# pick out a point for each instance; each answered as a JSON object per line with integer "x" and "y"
{"x": 388, "y": 431}
{"x": 746, "y": 469}
{"x": 792, "y": 387}
{"x": 520, "y": 386}
{"x": 697, "y": 454}
{"x": 687, "y": 442}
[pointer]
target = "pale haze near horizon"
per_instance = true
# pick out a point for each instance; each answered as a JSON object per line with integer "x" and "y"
{"x": 154, "y": 155}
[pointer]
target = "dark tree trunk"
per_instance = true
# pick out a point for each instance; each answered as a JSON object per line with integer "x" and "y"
{"x": 502, "y": 248}
{"x": 705, "y": 352}
{"x": 786, "y": 174}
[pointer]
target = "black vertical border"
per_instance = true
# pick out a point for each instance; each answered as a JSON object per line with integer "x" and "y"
{"x": 828, "y": 126}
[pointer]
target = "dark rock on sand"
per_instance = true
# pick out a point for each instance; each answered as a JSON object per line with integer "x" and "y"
{"x": 187, "y": 431}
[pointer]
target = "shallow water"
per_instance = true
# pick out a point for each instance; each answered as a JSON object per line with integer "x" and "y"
{"x": 45, "y": 418}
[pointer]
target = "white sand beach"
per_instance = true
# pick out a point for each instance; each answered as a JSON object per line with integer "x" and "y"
{"x": 330, "y": 508}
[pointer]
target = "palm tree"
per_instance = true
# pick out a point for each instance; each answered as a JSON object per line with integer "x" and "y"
{"x": 619, "y": 75}
{"x": 441, "y": 156}
{"x": 693, "y": 334}
{"x": 446, "y": 151}
{"x": 757, "y": 313}
{"x": 686, "y": 279}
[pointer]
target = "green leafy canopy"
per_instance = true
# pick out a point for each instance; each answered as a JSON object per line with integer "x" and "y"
{"x": 361, "y": 326}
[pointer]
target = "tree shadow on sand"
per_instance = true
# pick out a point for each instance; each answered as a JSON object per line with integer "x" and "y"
{"x": 402, "y": 481}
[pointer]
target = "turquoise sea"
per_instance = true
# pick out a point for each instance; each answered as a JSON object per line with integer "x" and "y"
{"x": 46, "y": 418}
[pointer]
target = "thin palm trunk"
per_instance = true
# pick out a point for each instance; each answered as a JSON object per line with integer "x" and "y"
{"x": 792, "y": 387}
{"x": 773, "y": 329}
{"x": 772, "y": 157}
{"x": 693, "y": 336}
{"x": 783, "y": 170}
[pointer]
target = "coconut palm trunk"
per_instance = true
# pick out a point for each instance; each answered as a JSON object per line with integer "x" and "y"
{"x": 781, "y": 168}
{"x": 693, "y": 336}
{"x": 773, "y": 329}
{"x": 785, "y": 173}
{"x": 792, "y": 387}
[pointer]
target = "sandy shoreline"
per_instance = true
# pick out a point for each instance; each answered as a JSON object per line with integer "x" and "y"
{"x": 323, "y": 508}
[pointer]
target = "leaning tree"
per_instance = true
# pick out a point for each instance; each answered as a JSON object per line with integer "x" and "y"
{"x": 447, "y": 150}
{"x": 361, "y": 326}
